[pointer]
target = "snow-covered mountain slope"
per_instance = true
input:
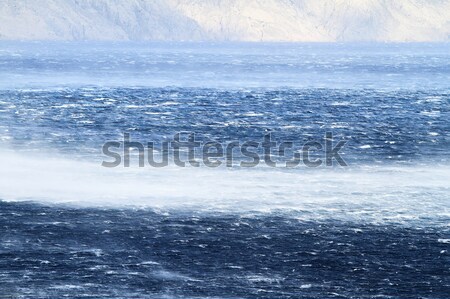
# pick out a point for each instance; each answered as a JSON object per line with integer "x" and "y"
{"x": 246, "y": 20}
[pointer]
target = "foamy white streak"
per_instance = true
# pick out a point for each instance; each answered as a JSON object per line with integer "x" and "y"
{"x": 390, "y": 191}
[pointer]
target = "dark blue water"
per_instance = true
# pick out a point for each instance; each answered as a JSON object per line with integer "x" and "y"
{"x": 377, "y": 228}
{"x": 50, "y": 252}
{"x": 378, "y": 126}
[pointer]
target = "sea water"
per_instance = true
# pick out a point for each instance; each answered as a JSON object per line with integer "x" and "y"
{"x": 376, "y": 228}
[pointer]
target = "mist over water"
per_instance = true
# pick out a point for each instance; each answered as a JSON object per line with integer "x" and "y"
{"x": 411, "y": 194}
{"x": 412, "y": 66}
{"x": 376, "y": 228}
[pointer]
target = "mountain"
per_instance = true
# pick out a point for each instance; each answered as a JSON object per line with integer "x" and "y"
{"x": 224, "y": 20}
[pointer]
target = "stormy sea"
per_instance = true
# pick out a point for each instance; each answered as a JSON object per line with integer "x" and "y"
{"x": 377, "y": 226}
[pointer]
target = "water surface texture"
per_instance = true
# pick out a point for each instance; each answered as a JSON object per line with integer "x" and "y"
{"x": 377, "y": 228}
